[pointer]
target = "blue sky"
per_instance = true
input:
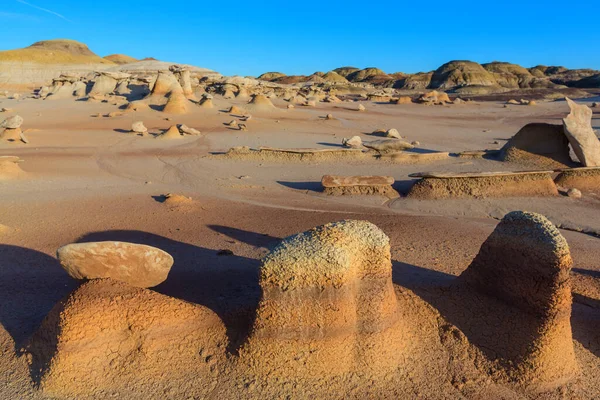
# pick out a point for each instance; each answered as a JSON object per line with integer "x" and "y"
{"x": 301, "y": 37}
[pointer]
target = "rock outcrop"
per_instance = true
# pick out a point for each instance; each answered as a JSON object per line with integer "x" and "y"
{"x": 581, "y": 135}
{"x": 107, "y": 336}
{"x": 328, "y": 305}
{"x": 526, "y": 264}
{"x": 538, "y": 145}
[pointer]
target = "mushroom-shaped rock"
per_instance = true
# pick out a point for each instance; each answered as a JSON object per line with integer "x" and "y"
{"x": 138, "y": 127}
{"x": 165, "y": 83}
{"x": 136, "y": 264}
{"x": 182, "y": 74}
{"x": 578, "y": 128}
{"x": 107, "y": 337}
{"x": 526, "y": 264}
{"x": 327, "y": 293}
{"x": 206, "y": 102}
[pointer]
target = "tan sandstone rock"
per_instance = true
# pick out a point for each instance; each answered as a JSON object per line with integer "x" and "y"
{"x": 135, "y": 264}
{"x": 578, "y": 128}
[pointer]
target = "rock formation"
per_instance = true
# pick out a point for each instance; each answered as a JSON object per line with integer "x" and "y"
{"x": 586, "y": 179}
{"x": 538, "y": 145}
{"x": 482, "y": 185}
{"x": 177, "y": 103}
{"x": 107, "y": 82}
{"x": 11, "y": 129}
{"x": 171, "y": 133}
{"x": 206, "y": 101}
{"x": 136, "y": 264}
{"x": 107, "y": 336}
{"x": 165, "y": 83}
{"x": 526, "y": 263}
{"x": 388, "y": 145}
{"x": 260, "y": 101}
{"x": 138, "y": 127}
{"x": 359, "y": 185}
{"x": 328, "y": 305}
{"x": 355, "y": 142}
{"x": 182, "y": 74}
{"x": 581, "y": 135}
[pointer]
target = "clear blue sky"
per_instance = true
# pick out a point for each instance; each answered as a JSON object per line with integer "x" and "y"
{"x": 300, "y": 37}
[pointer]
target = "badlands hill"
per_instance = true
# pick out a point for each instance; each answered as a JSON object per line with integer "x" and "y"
{"x": 46, "y": 60}
{"x": 59, "y": 51}
{"x": 460, "y": 75}
{"x": 121, "y": 59}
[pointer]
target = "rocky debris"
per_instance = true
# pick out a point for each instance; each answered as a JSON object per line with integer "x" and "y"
{"x": 13, "y": 122}
{"x": 359, "y": 185}
{"x": 513, "y": 102}
{"x": 434, "y": 97}
{"x": 107, "y": 336}
{"x": 341, "y": 275}
{"x": 355, "y": 142}
{"x": 388, "y": 145}
{"x": 574, "y": 193}
{"x": 524, "y": 252}
{"x": 242, "y": 127}
{"x": 581, "y": 135}
{"x": 290, "y": 106}
{"x": 435, "y": 186}
{"x": 135, "y": 264}
{"x": 361, "y": 108}
{"x": 233, "y": 123}
{"x": 171, "y": 133}
{"x": 329, "y": 116}
{"x": 138, "y": 127}
{"x": 332, "y": 99}
{"x": 189, "y": 131}
{"x": 538, "y": 145}
{"x": 393, "y": 133}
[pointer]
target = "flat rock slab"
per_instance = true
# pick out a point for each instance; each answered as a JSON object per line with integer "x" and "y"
{"x": 449, "y": 175}
{"x": 135, "y": 264}
{"x": 406, "y": 157}
{"x": 388, "y": 145}
{"x": 345, "y": 181}
{"x": 308, "y": 151}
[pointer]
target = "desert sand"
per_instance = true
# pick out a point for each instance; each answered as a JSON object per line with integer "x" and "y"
{"x": 419, "y": 282}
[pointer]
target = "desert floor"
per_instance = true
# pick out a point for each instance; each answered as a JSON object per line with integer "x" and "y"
{"x": 88, "y": 179}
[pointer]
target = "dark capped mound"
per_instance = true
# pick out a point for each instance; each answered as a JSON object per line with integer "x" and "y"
{"x": 345, "y": 71}
{"x": 121, "y": 59}
{"x": 461, "y": 73}
{"x": 333, "y": 76}
{"x": 271, "y": 76}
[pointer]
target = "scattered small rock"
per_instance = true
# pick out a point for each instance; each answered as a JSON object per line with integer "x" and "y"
{"x": 138, "y": 127}
{"x": 574, "y": 193}
{"x": 361, "y": 107}
{"x": 355, "y": 142}
{"x": 393, "y": 133}
{"x": 329, "y": 116}
{"x": 13, "y": 122}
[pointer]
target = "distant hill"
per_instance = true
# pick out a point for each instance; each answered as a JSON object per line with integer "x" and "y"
{"x": 59, "y": 51}
{"x": 121, "y": 59}
{"x": 455, "y": 75}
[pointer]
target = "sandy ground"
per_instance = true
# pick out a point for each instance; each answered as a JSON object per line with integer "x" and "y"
{"x": 88, "y": 179}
